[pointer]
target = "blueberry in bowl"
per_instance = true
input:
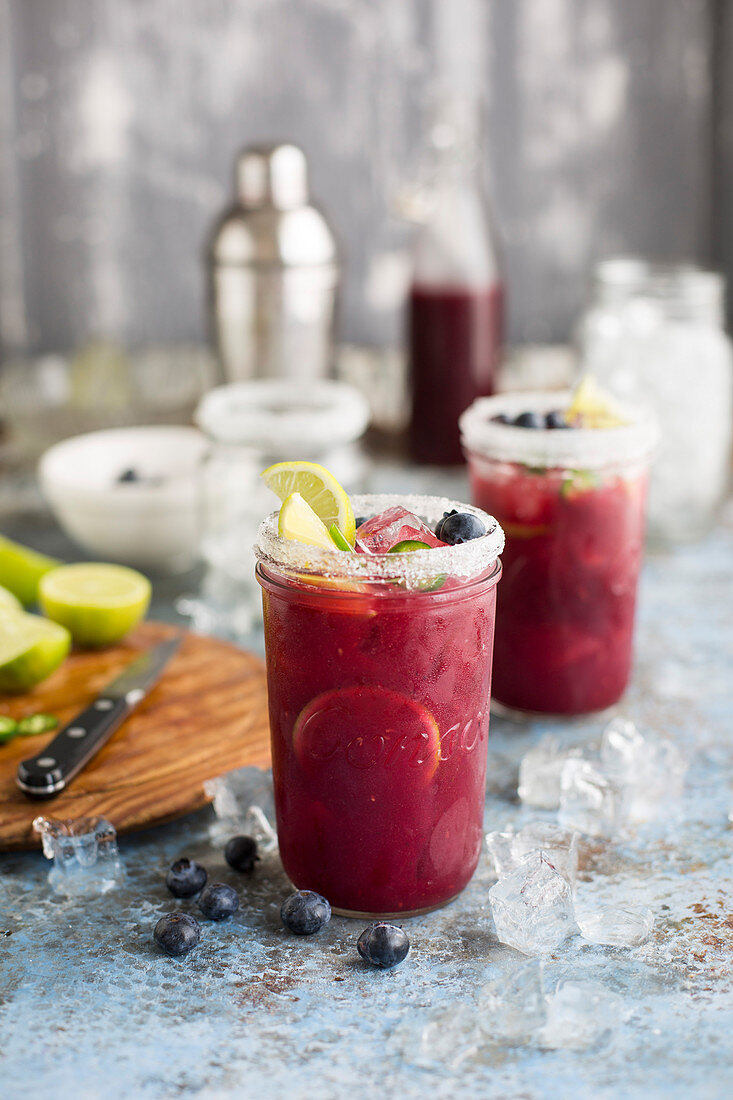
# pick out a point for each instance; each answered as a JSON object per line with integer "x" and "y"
{"x": 185, "y": 878}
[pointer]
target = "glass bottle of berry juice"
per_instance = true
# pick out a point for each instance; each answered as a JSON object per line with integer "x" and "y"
{"x": 455, "y": 312}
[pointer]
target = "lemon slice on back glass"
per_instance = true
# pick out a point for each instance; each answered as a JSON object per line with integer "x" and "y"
{"x": 319, "y": 489}
{"x": 592, "y": 407}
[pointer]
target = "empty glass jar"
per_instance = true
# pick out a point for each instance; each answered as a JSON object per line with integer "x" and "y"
{"x": 655, "y": 333}
{"x": 249, "y": 426}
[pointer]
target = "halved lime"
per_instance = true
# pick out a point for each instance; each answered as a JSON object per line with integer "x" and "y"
{"x": 9, "y": 602}
{"x": 298, "y": 521}
{"x": 318, "y": 488}
{"x": 22, "y": 568}
{"x": 96, "y": 602}
{"x": 31, "y": 648}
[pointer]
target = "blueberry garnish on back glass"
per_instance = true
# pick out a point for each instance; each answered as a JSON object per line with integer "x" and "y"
{"x": 457, "y": 527}
{"x": 555, "y": 419}
{"x": 530, "y": 420}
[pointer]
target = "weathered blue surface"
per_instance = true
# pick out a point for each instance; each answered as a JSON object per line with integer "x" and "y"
{"x": 89, "y": 1008}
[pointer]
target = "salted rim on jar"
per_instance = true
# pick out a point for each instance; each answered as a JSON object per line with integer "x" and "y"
{"x": 415, "y": 569}
{"x": 574, "y": 448}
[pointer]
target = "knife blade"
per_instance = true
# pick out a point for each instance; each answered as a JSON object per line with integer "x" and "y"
{"x": 49, "y": 773}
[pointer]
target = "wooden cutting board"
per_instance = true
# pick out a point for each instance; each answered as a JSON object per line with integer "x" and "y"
{"x": 206, "y": 715}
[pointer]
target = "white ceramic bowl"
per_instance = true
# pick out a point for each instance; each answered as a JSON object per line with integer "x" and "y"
{"x": 151, "y": 522}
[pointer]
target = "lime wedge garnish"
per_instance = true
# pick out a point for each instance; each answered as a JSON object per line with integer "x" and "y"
{"x": 338, "y": 539}
{"x": 592, "y": 407}
{"x": 318, "y": 488}
{"x": 21, "y": 569}
{"x": 97, "y": 603}
{"x": 30, "y": 649}
{"x": 299, "y": 522}
{"x": 406, "y": 545}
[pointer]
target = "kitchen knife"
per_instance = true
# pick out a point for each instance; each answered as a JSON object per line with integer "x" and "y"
{"x": 55, "y": 766}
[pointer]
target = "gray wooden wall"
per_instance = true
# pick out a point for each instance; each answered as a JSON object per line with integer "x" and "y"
{"x": 119, "y": 120}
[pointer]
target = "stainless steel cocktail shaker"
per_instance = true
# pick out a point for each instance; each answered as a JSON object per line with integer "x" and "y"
{"x": 273, "y": 273}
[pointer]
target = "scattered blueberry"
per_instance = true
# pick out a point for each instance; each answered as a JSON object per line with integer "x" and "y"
{"x": 305, "y": 912}
{"x": 360, "y": 519}
{"x": 383, "y": 945}
{"x": 177, "y": 933}
{"x": 457, "y": 527}
{"x": 129, "y": 475}
{"x": 218, "y": 901}
{"x": 185, "y": 878}
{"x": 502, "y": 418}
{"x": 241, "y": 853}
{"x": 555, "y": 419}
{"x": 529, "y": 420}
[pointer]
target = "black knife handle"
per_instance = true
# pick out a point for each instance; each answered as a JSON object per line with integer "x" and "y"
{"x": 46, "y": 774}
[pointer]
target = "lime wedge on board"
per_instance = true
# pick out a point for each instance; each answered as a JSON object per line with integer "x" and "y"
{"x": 22, "y": 568}
{"x": 31, "y": 648}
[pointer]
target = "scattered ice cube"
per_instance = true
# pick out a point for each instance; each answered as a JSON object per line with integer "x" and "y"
{"x": 380, "y": 533}
{"x": 441, "y": 1037}
{"x": 624, "y": 926}
{"x": 590, "y": 801}
{"x": 651, "y": 768}
{"x": 500, "y": 852}
{"x": 84, "y": 852}
{"x": 450, "y": 1036}
{"x": 508, "y": 849}
{"x": 533, "y": 906}
{"x": 579, "y": 1014}
{"x": 540, "y": 771}
{"x": 512, "y": 1006}
{"x": 560, "y": 845}
{"x": 257, "y": 825}
{"x": 243, "y": 803}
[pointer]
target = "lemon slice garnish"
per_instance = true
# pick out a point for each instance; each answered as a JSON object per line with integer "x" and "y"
{"x": 319, "y": 489}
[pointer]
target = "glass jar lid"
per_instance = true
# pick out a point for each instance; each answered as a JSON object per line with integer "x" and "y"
{"x": 550, "y": 448}
{"x": 416, "y": 570}
{"x": 282, "y": 415}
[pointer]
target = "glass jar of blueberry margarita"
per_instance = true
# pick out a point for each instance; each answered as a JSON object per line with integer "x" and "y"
{"x": 566, "y": 476}
{"x": 379, "y": 678}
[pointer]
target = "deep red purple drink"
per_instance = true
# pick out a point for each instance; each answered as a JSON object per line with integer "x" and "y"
{"x": 571, "y": 503}
{"x": 379, "y": 713}
{"x": 455, "y": 336}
